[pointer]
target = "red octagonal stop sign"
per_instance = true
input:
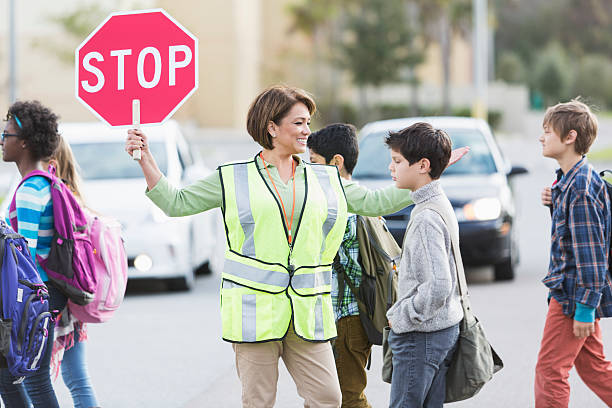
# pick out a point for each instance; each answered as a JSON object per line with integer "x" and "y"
{"x": 145, "y": 55}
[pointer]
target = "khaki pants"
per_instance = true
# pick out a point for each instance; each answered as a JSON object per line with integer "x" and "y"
{"x": 310, "y": 364}
{"x": 352, "y": 352}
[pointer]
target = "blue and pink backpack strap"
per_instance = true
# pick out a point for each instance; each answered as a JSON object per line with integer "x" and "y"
{"x": 13, "y": 206}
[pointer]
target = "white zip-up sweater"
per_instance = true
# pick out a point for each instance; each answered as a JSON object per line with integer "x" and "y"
{"x": 428, "y": 298}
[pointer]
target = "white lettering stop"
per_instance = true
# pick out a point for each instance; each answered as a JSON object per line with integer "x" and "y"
{"x": 120, "y": 55}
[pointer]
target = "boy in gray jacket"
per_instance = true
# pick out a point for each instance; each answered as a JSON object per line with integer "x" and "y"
{"x": 425, "y": 319}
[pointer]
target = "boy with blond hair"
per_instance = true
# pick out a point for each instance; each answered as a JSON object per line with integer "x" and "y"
{"x": 578, "y": 276}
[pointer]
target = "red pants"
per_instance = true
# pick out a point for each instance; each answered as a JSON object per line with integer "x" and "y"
{"x": 559, "y": 352}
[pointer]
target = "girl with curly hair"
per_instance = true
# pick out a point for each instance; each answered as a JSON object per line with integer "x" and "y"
{"x": 31, "y": 136}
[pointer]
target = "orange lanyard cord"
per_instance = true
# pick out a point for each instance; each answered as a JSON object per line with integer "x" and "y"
{"x": 289, "y": 222}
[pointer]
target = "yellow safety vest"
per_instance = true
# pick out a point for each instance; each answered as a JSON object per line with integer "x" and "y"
{"x": 267, "y": 283}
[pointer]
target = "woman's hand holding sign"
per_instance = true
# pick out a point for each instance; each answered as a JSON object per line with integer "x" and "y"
{"x": 137, "y": 140}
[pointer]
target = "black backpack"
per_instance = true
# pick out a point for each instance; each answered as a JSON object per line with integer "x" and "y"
{"x": 379, "y": 257}
{"x": 609, "y": 188}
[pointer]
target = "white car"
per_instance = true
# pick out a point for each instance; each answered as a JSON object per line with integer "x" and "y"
{"x": 157, "y": 246}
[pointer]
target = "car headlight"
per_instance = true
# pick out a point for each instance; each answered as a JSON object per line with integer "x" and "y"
{"x": 143, "y": 263}
{"x": 482, "y": 209}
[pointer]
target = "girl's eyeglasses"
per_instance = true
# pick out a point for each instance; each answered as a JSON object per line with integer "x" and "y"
{"x": 4, "y": 134}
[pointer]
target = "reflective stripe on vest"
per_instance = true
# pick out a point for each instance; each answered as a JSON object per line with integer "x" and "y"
{"x": 252, "y": 273}
{"x": 332, "y": 202}
{"x": 257, "y": 278}
{"x": 318, "y": 319}
{"x": 319, "y": 333}
{"x": 259, "y": 297}
{"x": 241, "y": 178}
{"x": 249, "y": 318}
{"x": 317, "y": 311}
{"x": 313, "y": 280}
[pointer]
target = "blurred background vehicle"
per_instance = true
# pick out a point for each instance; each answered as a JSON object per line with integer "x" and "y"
{"x": 157, "y": 246}
{"x": 478, "y": 186}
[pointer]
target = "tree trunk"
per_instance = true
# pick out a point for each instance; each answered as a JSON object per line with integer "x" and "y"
{"x": 364, "y": 115}
{"x": 445, "y": 49}
{"x": 318, "y": 41}
{"x": 414, "y": 92}
{"x": 337, "y": 28}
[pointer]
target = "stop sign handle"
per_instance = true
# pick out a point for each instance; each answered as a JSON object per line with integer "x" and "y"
{"x": 136, "y": 154}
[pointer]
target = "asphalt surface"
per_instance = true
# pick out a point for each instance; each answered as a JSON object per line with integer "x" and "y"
{"x": 163, "y": 349}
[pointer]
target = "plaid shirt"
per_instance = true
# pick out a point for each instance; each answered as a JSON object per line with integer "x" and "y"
{"x": 349, "y": 259}
{"x": 578, "y": 270}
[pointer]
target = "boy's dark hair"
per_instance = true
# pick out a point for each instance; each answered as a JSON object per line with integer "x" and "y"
{"x": 37, "y": 126}
{"x": 573, "y": 115}
{"x": 338, "y": 138}
{"x": 422, "y": 141}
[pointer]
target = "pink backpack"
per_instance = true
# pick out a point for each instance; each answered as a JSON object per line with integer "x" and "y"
{"x": 111, "y": 267}
{"x": 70, "y": 261}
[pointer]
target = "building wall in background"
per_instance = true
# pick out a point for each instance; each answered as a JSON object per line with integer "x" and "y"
{"x": 45, "y": 55}
{"x": 229, "y": 35}
{"x": 430, "y": 72}
{"x": 244, "y": 46}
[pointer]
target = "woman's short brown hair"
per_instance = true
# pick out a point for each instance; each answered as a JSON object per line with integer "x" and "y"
{"x": 272, "y": 105}
{"x": 573, "y": 115}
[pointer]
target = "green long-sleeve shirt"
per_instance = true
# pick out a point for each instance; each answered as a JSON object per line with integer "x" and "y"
{"x": 206, "y": 194}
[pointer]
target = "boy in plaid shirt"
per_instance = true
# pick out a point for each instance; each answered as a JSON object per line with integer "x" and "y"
{"x": 578, "y": 276}
{"x": 337, "y": 145}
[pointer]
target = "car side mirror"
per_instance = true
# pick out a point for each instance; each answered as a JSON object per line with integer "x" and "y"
{"x": 515, "y": 170}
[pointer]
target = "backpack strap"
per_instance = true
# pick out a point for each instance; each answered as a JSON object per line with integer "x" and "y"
{"x": 361, "y": 220}
{"x": 13, "y": 206}
{"x": 340, "y": 275}
{"x": 342, "y": 280}
{"x": 454, "y": 234}
{"x": 608, "y": 185}
{"x": 2, "y": 245}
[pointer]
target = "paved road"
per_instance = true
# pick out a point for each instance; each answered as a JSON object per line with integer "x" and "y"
{"x": 163, "y": 349}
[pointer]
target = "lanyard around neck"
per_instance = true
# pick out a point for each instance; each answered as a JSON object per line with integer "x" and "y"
{"x": 288, "y": 222}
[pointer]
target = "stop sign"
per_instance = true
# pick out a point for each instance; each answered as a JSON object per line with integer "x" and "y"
{"x": 145, "y": 55}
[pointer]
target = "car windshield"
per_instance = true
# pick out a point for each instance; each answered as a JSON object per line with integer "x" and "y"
{"x": 374, "y": 155}
{"x": 105, "y": 160}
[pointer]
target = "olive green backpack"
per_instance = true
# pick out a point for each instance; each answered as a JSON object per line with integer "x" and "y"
{"x": 379, "y": 257}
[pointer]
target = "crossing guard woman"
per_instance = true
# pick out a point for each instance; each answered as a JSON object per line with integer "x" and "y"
{"x": 284, "y": 222}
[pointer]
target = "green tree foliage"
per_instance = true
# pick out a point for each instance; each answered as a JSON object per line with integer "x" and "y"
{"x": 316, "y": 19}
{"x": 593, "y": 80}
{"x": 510, "y": 68}
{"x": 376, "y": 42}
{"x": 582, "y": 30}
{"x": 383, "y": 41}
{"x": 527, "y": 26}
{"x": 76, "y": 25}
{"x": 552, "y": 74}
{"x": 311, "y": 15}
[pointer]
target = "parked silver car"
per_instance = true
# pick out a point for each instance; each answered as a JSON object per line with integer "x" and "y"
{"x": 477, "y": 186}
